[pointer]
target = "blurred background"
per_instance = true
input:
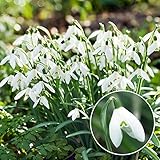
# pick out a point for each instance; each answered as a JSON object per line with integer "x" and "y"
{"x": 139, "y": 16}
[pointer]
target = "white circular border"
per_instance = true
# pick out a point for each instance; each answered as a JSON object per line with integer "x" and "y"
{"x": 114, "y": 153}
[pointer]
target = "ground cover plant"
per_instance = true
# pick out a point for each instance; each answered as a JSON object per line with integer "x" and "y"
{"x": 56, "y": 80}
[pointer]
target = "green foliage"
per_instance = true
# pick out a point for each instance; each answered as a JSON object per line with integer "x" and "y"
{"x": 39, "y": 142}
{"x": 6, "y": 153}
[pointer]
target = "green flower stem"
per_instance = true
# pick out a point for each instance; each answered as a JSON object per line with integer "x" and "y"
{"x": 90, "y": 91}
{"x": 140, "y": 81}
{"x": 90, "y": 83}
{"x": 105, "y": 119}
{"x": 116, "y": 102}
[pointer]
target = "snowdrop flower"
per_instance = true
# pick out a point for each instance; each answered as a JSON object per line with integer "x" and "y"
{"x": 155, "y": 44}
{"x": 72, "y": 30}
{"x": 17, "y": 58}
{"x": 141, "y": 73}
{"x": 66, "y": 77}
{"x": 83, "y": 68}
{"x": 18, "y": 82}
{"x": 43, "y": 101}
{"x": 72, "y": 43}
{"x": 75, "y": 113}
{"x": 131, "y": 54}
{"x": 31, "y": 40}
{"x": 115, "y": 80}
{"x": 26, "y": 92}
{"x": 13, "y": 60}
{"x": 6, "y": 80}
{"x": 123, "y": 120}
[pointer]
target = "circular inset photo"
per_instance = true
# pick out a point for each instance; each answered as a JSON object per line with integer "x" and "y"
{"x": 122, "y": 123}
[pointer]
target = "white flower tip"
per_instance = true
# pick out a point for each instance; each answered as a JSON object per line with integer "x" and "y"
{"x": 141, "y": 136}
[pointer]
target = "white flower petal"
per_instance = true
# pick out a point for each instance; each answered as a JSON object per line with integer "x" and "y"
{"x": 94, "y": 34}
{"x": 69, "y": 32}
{"x": 20, "y": 94}
{"x": 31, "y": 75}
{"x": 144, "y": 75}
{"x": 123, "y": 83}
{"x": 81, "y": 48}
{"x": 101, "y": 82}
{"x": 4, "y": 81}
{"x": 34, "y": 39}
{"x": 67, "y": 78}
{"x": 136, "y": 58}
{"x": 44, "y": 101}
{"x": 108, "y": 54}
{"x": 51, "y": 89}
{"x": 141, "y": 48}
{"x": 36, "y": 103}
{"x": 33, "y": 96}
{"x": 115, "y": 130}
{"x": 83, "y": 68}
{"x": 74, "y": 76}
{"x": 134, "y": 124}
{"x": 19, "y": 40}
{"x": 70, "y": 113}
{"x": 150, "y": 71}
{"x": 147, "y": 36}
{"x": 5, "y": 60}
{"x": 151, "y": 48}
{"x": 74, "y": 117}
{"x": 74, "y": 114}
{"x": 38, "y": 87}
{"x": 12, "y": 61}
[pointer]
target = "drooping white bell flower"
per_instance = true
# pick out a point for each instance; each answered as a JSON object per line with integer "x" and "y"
{"x": 75, "y": 113}
{"x": 131, "y": 54}
{"x": 13, "y": 60}
{"x": 123, "y": 120}
{"x": 115, "y": 80}
{"x": 141, "y": 73}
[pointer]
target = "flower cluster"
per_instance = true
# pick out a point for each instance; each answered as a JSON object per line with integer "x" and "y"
{"x": 109, "y": 59}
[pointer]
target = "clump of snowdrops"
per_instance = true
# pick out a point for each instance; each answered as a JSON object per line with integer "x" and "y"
{"x": 65, "y": 75}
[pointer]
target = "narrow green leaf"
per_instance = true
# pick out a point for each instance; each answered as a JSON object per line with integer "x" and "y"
{"x": 65, "y": 123}
{"x": 96, "y": 154}
{"x": 84, "y": 155}
{"x": 78, "y": 133}
{"x": 89, "y": 149}
{"x": 45, "y": 124}
{"x": 150, "y": 152}
{"x": 107, "y": 108}
{"x": 155, "y": 140}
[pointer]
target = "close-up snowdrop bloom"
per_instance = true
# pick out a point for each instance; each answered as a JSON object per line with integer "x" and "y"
{"x": 121, "y": 121}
